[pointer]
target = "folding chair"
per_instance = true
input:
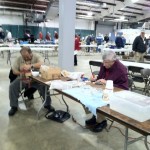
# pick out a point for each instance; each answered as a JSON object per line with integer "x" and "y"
{"x": 130, "y": 83}
{"x": 96, "y": 64}
{"x": 146, "y": 77}
{"x": 134, "y": 73}
{"x": 147, "y": 57}
{"x": 27, "y": 92}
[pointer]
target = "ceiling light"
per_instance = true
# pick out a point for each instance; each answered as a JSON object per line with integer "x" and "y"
{"x": 122, "y": 17}
{"x": 85, "y": 16}
{"x": 89, "y": 13}
{"x": 122, "y": 8}
{"x": 134, "y": 1}
{"x": 104, "y": 5}
{"x": 120, "y": 20}
{"x": 88, "y": 4}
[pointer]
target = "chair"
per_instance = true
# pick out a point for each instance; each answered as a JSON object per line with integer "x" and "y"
{"x": 96, "y": 64}
{"x": 147, "y": 57}
{"x": 130, "y": 83}
{"x": 28, "y": 92}
{"x": 146, "y": 77}
{"x": 134, "y": 73}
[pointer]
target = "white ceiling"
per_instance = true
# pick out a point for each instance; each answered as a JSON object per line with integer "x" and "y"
{"x": 133, "y": 12}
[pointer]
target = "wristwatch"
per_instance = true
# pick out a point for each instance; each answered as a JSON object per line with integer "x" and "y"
{"x": 32, "y": 67}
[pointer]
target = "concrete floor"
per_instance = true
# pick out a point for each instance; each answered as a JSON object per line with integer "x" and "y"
{"x": 24, "y": 132}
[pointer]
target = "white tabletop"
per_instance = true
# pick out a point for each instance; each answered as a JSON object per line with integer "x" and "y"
{"x": 118, "y": 50}
{"x": 40, "y": 45}
{"x": 129, "y": 63}
{"x": 32, "y": 48}
{"x": 92, "y": 45}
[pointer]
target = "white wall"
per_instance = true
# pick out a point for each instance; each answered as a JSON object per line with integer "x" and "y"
{"x": 11, "y": 19}
{"x": 130, "y": 34}
{"x": 104, "y": 29}
{"x": 79, "y": 24}
{"x": 18, "y": 20}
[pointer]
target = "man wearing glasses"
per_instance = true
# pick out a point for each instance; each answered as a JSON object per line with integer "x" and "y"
{"x": 111, "y": 69}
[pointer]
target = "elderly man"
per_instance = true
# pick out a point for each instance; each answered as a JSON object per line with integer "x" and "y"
{"x": 111, "y": 69}
{"x": 25, "y": 63}
{"x": 139, "y": 47}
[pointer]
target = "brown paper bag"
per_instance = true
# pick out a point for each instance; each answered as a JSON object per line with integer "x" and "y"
{"x": 50, "y": 73}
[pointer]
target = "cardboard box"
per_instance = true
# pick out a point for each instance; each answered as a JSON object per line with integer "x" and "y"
{"x": 50, "y": 72}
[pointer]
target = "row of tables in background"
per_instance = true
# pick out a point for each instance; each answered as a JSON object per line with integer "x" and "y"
{"x": 45, "y": 48}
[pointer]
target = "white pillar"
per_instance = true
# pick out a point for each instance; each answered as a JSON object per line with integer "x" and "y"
{"x": 67, "y": 15}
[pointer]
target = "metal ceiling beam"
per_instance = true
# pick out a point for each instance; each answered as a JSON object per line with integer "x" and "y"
{"x": 131, "y": 12}
{"x": 145, "y": 5}
{"x": 48, "y": 7}
{"x": 21, "y": 3}
{"x": 101, "y": 2}
{"x": 21, "y": 9}
{"x": 96, "y": 11}
{"x": 134, "y": 8}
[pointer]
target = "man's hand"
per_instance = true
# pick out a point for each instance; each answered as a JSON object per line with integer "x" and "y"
{"x": 25, "y": 67}
{"x": 103, "y": 81}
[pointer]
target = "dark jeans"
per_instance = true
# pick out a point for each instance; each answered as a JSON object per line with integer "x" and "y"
{"x": 75, "y": 60}
{"x": 14, "y": 90}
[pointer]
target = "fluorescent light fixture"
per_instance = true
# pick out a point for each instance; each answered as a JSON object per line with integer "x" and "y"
{"x": 88, "y": 4}
{"x": 120, "y": 20}
{"x": 122, "y": 17}
{"x": 122, "y": 8}
{"x": 89, "y": 13}
{"x": 104, "y": 5}
{"x": 85, "y": 16}
{"x": 134, "y": 1}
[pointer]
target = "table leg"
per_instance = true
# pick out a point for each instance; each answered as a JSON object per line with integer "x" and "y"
{"x": 8, "y": 57}
{"x": 65, "y": 103}
{"x": 46, "y": 56}
{"x": 126, "y": 139}
{"x": 45, "y": 96}
{"x": 146, "y": 145}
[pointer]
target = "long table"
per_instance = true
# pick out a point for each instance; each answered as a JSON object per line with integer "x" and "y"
{"x": 129, "y": 123}
{"x": 128, "y": 63}
{"x": 118, "y": 50}
{"x": 11, "y": 49}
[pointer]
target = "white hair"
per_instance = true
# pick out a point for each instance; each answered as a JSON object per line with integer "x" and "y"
{"x": 109, "y": 55}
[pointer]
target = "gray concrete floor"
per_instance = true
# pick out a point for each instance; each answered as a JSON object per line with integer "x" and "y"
{"x": 24, "y": 132}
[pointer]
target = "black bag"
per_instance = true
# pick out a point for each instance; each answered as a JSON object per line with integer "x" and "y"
{"x": 58, "y": 116}
{"x": 12, "y": 76}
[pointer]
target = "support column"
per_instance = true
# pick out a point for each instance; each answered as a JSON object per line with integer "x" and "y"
{"x": 67, "y": 16}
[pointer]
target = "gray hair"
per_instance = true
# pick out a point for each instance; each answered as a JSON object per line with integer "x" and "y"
{"x": 109, "y": 55}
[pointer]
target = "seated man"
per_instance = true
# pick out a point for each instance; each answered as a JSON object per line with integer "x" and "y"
{"x": 24, "y": 63}
{"x": 111, "y": 69}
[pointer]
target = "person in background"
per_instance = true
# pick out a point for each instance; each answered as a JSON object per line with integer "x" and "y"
{"x": 139, "y": 47}
{"x": 99, "y": 41}
{"x": 111, "y": 69}
{"x": 124, "y": 41}
{"x": 106, "y": 38}
{"x": 76, "y": 49}
{"x": 27, "y": 35}
{"x": 25, "y": 63}
{"x": 88, "y": 42}
{"x": 56, "y": 37}
{"x": 119, "y": 41}
{"x": 92, "y": 38}
{"x": 40, "y": 36}
{"x": 48, "y": 36}
{"x": 2, "y": 34}
{"x": 148, "y": 45}
{"x": 8, "y": 36}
